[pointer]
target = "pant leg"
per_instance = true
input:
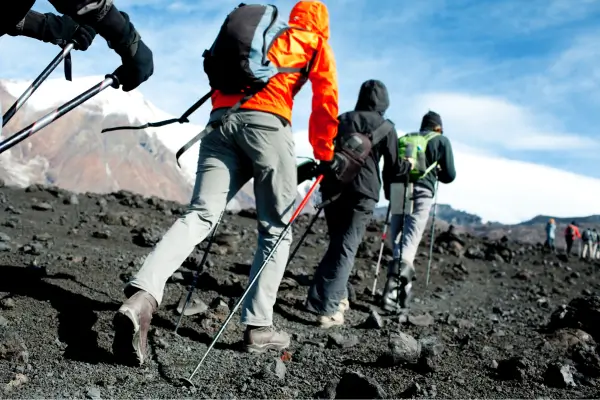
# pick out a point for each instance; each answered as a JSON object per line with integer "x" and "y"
{"x": 586, "y": 247}
{"x": 270, "y": 146}
{"x": 219, "y": 177}
{"x": 415, "y": 224}
{"x": 329, "y": 285}
{"x": 569, "y": 246}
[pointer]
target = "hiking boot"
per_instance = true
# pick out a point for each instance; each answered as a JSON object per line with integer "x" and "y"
{"x": 262, "y": 338}
{"x": 131, "y": 324}
{"x": 344, "y": 305}
{"x": 327, "y": 321}
{"x": 390, "y": 300}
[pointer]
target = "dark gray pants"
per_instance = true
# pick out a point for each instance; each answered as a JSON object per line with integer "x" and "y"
{"x": 347, "y": 220}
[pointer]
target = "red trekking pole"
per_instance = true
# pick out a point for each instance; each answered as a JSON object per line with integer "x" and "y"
{"x": 188, "y": 381}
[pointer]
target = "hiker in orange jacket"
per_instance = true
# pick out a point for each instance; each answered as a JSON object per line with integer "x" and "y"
{"x": 571, "y": 233}
{"x": 256, "y": 142}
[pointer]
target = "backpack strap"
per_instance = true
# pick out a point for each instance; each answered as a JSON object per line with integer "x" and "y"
{"x": 381, "y": 132}
{"x": 428, "y": 137}
{"x": 181, "y": 120}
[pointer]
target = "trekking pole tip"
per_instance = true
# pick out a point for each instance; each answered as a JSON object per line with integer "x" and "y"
{"x": 187, "y": 383}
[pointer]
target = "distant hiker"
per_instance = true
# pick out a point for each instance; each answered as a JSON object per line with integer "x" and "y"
{"x": 594, "y": 245}
{"x": 82, "y": 20}
{"x": 551, "y": 235}
{"x": 588, "y": 239}
{"x": 571, "y": 233}
{"x": 438, "y": 150}
{"x": 255, "y": 141}
{"x": 348, "y": 216}
{"x": 597, "y": 244}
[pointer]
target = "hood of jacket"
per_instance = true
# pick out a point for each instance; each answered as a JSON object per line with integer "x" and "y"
{"x": 312, "y": 16}
{"x": 373, "y": 96}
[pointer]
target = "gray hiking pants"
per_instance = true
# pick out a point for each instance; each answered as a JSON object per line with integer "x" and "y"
{"x": 347, "y": 219}
{"x": 251, "y": 144}
{"x": 414, "y": 228}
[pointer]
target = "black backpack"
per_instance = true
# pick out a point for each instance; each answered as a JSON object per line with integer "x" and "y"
{"x": 237, "y": 62}
{"x": 355, "y": 147}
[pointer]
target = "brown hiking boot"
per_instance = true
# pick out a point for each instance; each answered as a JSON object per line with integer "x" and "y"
{"x": 131, "y": 324}
{"x": 263, "y": 338}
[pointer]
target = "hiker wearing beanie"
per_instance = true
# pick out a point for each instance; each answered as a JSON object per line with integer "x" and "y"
{"x": 551, "y": 235}
{"x": 438, "y": 150}
{"x": 348, "y": 216}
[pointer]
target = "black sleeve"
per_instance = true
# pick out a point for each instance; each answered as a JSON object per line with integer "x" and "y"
{"x": 12, "y": 14}
{"x": 389, "y": 151}
{"x": 31, "y": 26}
{"x": 442, "y": 152}
{"x": 103, "y": 16}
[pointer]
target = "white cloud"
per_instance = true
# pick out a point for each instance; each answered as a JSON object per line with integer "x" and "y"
{"x": 495, "y": 122}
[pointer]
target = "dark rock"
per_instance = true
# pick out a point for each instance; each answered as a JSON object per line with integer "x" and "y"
{"x": 354, "y": 385}
{"x": 146, "y": 237}
{"x": 586, "y": 360}
{"x": 4, "y": 237}
{"x": 7, "y": 303}
{"x": 404, "y": 348}
{"x": 512, "y": 369}
{"x": 71, "y": 200}
{"x": 337, "y": 340}
{"x": 101, "y": 235}
{"x": 559, "y": 376}
{"x": 374, "y": 321}
{"x": 43, "y": 206}
{"x": 421, "y": 320}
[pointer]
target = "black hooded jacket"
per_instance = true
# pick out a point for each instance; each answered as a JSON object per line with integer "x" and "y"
{"x": 103, "y": 16}
{"x": 373, "y": 101}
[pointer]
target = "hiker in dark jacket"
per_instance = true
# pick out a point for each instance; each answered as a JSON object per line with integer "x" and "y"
{"x": 348, "y": 216}
{"x": 82, "y": 20}
{"x": 438, "y": 150}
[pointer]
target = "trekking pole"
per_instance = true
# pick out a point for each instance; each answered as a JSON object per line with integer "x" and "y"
{"x": 383, "y": 237}
{"x": 199, "y": 269}
{"x": 304, "y": 235}
{"x": 110, "y": 80}
{"x": 432, "y": 232}
{"x": 188, "y": 381}
{"x": 402, "y": 237}
{"x": 36, "y": 83}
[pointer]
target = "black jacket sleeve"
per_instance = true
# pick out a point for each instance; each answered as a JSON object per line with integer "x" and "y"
{"x": 103, "y": 16}
{"x": 12, "y": 14}
{"x": 442, "y": 152}
{"x": 393, "y": 167}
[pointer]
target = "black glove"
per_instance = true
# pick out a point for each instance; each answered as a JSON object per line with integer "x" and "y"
{"x": 63, "y": 29}
{"x": 331, "y": 169}
{"x": 306, "y": 171}
{"x": 136, "y": 57}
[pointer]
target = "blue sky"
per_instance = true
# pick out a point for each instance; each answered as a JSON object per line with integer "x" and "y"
{"x": 513, "y": 78}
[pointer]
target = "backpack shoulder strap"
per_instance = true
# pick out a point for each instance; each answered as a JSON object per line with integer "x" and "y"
{"x": 183, "y": 119}
{"x": 381, "y": 131}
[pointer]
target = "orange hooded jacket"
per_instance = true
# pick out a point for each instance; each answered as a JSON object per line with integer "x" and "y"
{"x": 295, "y": 48}
{"x": 576, "y": 233}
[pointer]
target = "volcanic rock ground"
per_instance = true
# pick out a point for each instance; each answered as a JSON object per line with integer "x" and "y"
{"x": 498, "y": 320}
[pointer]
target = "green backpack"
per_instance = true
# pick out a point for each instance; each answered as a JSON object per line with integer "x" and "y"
{"x": 413, "y": 145}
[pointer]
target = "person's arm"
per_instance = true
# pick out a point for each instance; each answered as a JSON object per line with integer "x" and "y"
{"x": 120, "y": 34}
{"x": 447, "y": 172}
{"x": 51, "y": 28}
{"x": 323, "y": 123}
{"x": 393, "y": 167}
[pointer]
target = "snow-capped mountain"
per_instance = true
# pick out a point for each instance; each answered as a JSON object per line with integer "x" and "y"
{"x": 73, "y": 153}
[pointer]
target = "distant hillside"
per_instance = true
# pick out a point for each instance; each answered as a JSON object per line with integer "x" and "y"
{"x": 444, "y": 213}
{"x": 542, "y": 219}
